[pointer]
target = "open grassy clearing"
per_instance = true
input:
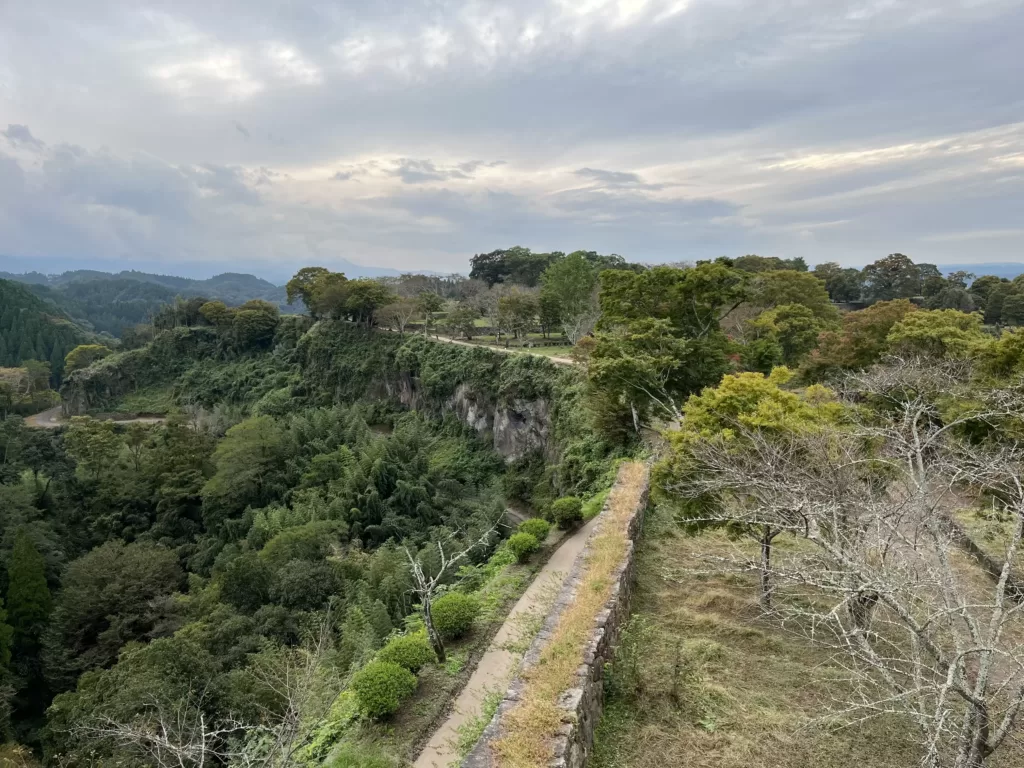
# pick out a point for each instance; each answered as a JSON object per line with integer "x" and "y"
{"x": 156, "y": 399}
{"x": 701, "y": 680}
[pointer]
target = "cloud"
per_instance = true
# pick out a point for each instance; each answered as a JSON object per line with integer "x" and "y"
{"x": 835, "y": 130}
{"x": 609, "y": 177}
{"x": 20, "y": 135}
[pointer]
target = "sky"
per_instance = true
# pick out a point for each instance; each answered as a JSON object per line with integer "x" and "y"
{"x": 264, "y": 135}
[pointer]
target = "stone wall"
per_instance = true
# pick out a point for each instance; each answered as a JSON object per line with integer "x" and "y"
{"x": 582, "y": 704}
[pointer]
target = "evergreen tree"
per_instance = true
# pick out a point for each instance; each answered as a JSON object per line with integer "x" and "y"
{"x": 28, "y": 597}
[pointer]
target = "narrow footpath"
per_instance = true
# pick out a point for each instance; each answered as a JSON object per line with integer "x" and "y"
{"x": 52, "y": 418}
{"x": 499, "y": 662}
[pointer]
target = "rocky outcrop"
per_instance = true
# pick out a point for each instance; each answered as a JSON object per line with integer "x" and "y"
{"x": 582, "y": 703}
{"x": 522, "y": 427}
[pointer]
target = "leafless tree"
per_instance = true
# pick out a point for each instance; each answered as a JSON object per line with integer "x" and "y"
{"x": 426, "y": 587}
{"x": 398, "y": 314}
{"x": 923, "y": 634}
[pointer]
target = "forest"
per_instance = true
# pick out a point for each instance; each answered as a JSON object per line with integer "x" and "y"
{"x": 282, "y": 569}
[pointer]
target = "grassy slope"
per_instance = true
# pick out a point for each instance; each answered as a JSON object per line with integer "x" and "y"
{"x": 700, "y": 681}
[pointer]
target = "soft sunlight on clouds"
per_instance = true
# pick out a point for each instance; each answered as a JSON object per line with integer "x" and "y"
{"x": 413, "y": 135}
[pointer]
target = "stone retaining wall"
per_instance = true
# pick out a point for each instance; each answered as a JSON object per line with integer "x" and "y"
{"x": 583, "y": 703}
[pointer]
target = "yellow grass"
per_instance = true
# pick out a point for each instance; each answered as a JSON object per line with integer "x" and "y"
{"x": 531, "y": 726}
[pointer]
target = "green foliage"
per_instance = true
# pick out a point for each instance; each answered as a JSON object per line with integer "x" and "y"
{"x": 522, "y": 545}
{"x": 785, "y": 335}
{"x": 942, "y": 333}
{"x": 361, "y": 756}
{"x": 861, "y": 341}
{"x": 536, "y": 527}
{"x": 453, "y": 614}
{"x": 31, "y": 329}
{"x": 512, "y": 265}
{"x": 894, "y": 277}
{"x": 6, "y": 640}
{"x": 381, "y": 687}
{"x": 116, "y": 593}
{"x": 85, "y": 355}
{"x": 28, "y": 596}
{"x": 786, "y": 288}
{"x": 567, "y": 512}
{"x": 842, "y": 284}
{"x": 411, "y": 651}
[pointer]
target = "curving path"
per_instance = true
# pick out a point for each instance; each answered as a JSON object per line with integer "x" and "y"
{"x": 52, "y": 418}
{"x": 499, "y": 662}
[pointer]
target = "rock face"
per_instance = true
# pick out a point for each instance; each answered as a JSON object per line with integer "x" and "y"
{"x": 522, "y": 427}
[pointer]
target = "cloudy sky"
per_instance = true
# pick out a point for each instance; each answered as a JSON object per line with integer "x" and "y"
{"x": 264, "y": 135}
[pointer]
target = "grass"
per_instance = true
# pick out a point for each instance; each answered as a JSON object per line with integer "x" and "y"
{"x": 592, "y": 506}
{"x": 700, "y": 680}
{"x": 530, "y": 727}
{"x": 471, "y": 730}
{"x": 159, "y": 399}
{"x": 991, "y": 531}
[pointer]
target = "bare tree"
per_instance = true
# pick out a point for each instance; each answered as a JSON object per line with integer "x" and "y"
{"x": 426, "y": 587}
{"x": 398, "y": 314}
{"x": 921, "y": 632}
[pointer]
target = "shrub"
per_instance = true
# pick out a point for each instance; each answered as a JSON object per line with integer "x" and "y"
{"x": 536, "y": 527}
{"x": 522, "y": 545}
{"x": 453, "y": 614}
{"x": 359, "y": 755}
{"x": 410, "y": 651}
{"x": 567, "y": 512}
{"x": 381, "y": 687}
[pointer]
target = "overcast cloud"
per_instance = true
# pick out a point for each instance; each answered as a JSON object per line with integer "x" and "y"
{"x": 265, "y": 135}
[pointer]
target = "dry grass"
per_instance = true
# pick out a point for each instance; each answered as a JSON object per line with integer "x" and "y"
{"x": 700, "y": 681}
{"x": 530, "y": 727}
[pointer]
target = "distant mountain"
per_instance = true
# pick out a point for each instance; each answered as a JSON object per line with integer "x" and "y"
{"x": 1007, "y": 269}
{"x": 109, "y": 303}
{"x": 31, "y": 269}
{"x": 34, "y": 329}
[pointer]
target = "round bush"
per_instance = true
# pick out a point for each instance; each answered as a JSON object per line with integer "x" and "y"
{"x": 536, "y": 527}
{"x": 411, "y": 651}
{"x": 522, "y": 545}
{"x": 381, "y": 687}
{"x": 567, "y": 512}
{"x": 453, "y": 614}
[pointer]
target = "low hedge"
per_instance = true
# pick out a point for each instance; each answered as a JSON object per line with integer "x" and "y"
{"x": 381, "y": 687}
{"x": 453, "y": 614}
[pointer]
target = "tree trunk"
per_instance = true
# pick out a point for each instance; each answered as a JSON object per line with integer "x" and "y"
{"x": 974, "y": 748}
{"x": 432, "y": 635}
{"x": 766, "y": 562}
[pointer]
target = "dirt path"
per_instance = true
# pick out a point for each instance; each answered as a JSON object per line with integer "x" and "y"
{"x": 499, "y": 662}
{"x": 502, "y": 350}
{"x": 52, "y": 418}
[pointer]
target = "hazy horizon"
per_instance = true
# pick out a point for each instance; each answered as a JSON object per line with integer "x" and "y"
{"x": 185, "y": 137}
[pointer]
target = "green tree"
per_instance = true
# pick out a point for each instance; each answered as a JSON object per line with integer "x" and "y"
{"x": 249, "y": 462}
{"x": 517, "y": 313}
{"x": 842, "y": 284}
{"x": 741, "y": 407}
{"x": 780, "y": 287}
{"x": 94, "y": 445}
{"x": 862, "y": 340}
{"x": 254, "y": 323}
{"x": 28, "y": 596}
{"x": 659, "y": 337}
{"x": 85, "y": 355}
{"x": 461, "y": 321}
{"x": 894, "y": 277}
{"x": 428, "y": 305}
{"x": 329, "y": 296}
{"x": 944, "y": 333}
{"x": 114, "y": 594}
{"x": 364, "y": 298}
{"x": 304, "y": 285}
{"x": 1012, "y": 310}
{"x": 982, "y": 287}
{"x": 217, "y": 313}
{"x": 794, "y": 327}
{"x": 569, "y": 284}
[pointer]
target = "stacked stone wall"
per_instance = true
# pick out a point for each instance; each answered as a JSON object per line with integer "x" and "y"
{"x": 582, "y": 704}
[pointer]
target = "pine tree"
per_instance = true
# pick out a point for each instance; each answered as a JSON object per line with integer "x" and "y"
{"x": 28, "y": 597}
